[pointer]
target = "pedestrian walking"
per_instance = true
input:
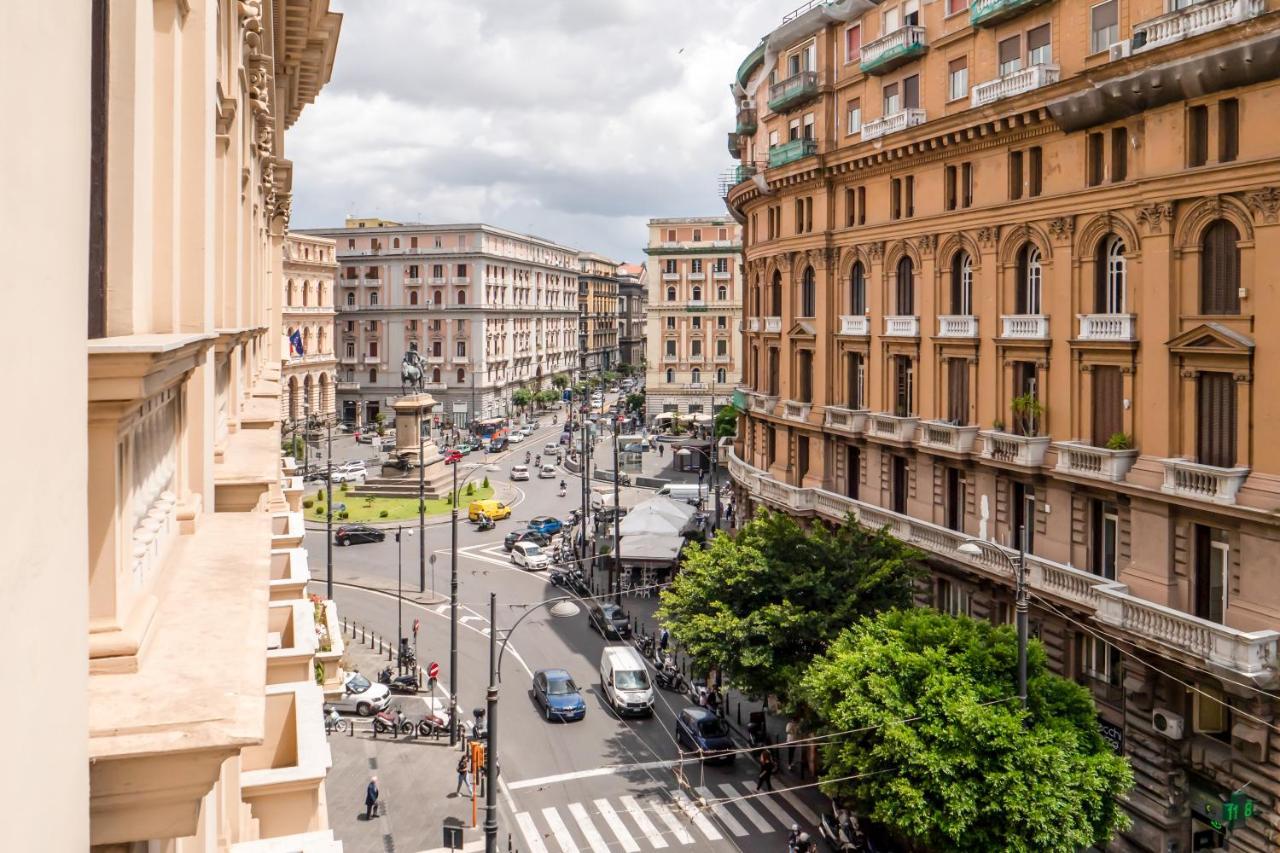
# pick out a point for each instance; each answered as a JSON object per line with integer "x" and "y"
{"x": 764, "y": 781}
{"x": 664, "y": 637}
{"x": 464, "y": 774}
{"x": 371, "y": 795}
{"x": 662, "y": 450}
{"x": 793, "y": 732}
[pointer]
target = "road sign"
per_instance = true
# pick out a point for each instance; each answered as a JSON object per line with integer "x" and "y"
{"x": 452, "y": 837}
{"x": 433, "y": 671}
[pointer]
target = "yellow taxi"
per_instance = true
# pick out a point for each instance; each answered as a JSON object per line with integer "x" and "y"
{"x": 496, "y": 510}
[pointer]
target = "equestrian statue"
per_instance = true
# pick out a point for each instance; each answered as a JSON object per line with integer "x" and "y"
{"x": 412, "y": 372}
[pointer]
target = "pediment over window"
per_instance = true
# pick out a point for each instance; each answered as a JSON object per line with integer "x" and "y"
{"x": 1212, "y": 339}
{"x": 802, "y": 329}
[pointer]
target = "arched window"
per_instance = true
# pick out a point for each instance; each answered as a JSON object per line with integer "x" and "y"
{"x": 373, "y": 297}
{"x": 697, "y": 293}
{"x": 905, "y": 287}
{"x": 439, "y": 299}
{"x": 961, "y": 284}
{"x": 306, "y": 294}
{"x": 435, "y": 375}
{"x": 288, "y": 293}
{"x": 695, "y": 375}
{"x": 722, "y": 293}
{"x": 671, "y": 375}
{"x": 462, "y": 297}
{"x": 775, "y": 297}
{"x": 1220, "y": 269}
{"x": 720, "y": 375}
{"x": 373, "y": 375}
{"x": 671, "y": 294}
{"x": 1030, "y": 279}
{"x": 462, "y": 375}
{"x": 1110, "y": 277}
{"x": 395, "y": 243}
{"x": 351, "y": 299}
{"x": 755, "y": 299}
{"x": 808, "y": 294}
{"x": 323, "y": 340}
{"x": 857, "y": 289}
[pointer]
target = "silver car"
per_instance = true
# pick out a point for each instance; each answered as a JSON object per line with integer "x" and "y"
{"x": 362, "y": 696}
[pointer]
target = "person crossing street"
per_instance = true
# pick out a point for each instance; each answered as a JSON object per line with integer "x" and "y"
{"x": 464, "y": 774}
{"x": 371, "y": 795}
{"x": 764, "y": 781}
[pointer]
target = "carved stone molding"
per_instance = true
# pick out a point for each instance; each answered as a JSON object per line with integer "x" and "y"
{"x": 927, "y": 244}
{"x": 875, "y": 250}
{"x": 1063, "y": 228}
{"x": 283, "y": 207}
{"x": 1189, "y": 373}
{"x": 1265, "y": 204}
{"x": 987, "y": 236}
{"x": 1156, "y": 217}
{"x": 251, "y": 21}
{"x": 1087, "y": 368}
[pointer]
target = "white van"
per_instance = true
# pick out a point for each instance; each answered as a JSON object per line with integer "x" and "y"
{"x": 688, "y": 492}
{"x": 625, "y": 680}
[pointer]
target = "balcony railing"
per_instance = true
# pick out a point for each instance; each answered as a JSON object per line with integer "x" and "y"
{"x": 734, "y": 145}
{"x": 372, "y": 359}
{"x": 789, "y": 152}
{"x": 892, "y": 427}
{"x": 433, "y": 359}
{"x": 984, "y": 13}
{"x": 849, "y": 421}
{"x": 1098, "y": 463}
{"x": 793, "y": 91}
{"x": 1026, "y": 80}
{"x": 412, "y": 280}
{"x": 902, "y": 326}
{"x": 746, "y": 120}
{"x": 894, "y": 49}
{"x": 1193, "y": 21}
{"x": 724, "y": 358}
{"x": 752, "y": 324}
{"x": 957, "y": 326}
{"x": 373, "y": 282}
{"x": 697, "y": 276}
{"x": 761, "y": 403}
{"x": 940, "y": 435}
{"x": 1250, "y": 654}
{"x": 670, "y": 357}
{"x": 437, "y": 279}
{"x": 796, "y": 411}
{"x": 892, "y": 123}
{"x": 671, "y": 276}
{"x": 1106, "y": 327}
{"x": 1189, "y": 479}
{"x": 742, "y": 173}
{"x": 773, "y": 324}
{"x": 347, "y": 386}
{"x": 1028, "y": 326}
{"x": 854, "y": 324}
{"x": 1026, "y": 451}
{"x": 721, "y": 275}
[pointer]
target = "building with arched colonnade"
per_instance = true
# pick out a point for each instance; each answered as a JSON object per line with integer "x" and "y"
{"x": 307, "y": 377}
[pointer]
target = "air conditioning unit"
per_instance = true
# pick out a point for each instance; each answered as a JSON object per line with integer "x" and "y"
{"x": 1167, "y": 723}
{"x": 1120, "y": 50}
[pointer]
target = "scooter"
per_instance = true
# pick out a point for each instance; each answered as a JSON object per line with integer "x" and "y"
{"x": 333, "y": 722}
{"x": 559, "y": 577}
{"x": 801, "y": 842}
{"x": 391, "y": 720}
{"x": 400, "y": 683}
{"x": 668, "y": 677}
{"x": 431, "y": 725}
{"x": 644, "y": 644}
{"x": 485, "y": 523}
{"x": 840, "y": 830}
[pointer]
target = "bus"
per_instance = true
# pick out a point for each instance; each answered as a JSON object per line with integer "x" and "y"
{"x": 485, "y": 430}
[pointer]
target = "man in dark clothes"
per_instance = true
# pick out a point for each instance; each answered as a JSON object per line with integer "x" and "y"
{"x": 370, "y": 798}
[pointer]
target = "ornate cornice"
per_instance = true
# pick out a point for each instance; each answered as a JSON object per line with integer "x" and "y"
{"x": 1063, "y": 228}
{"x": 1155, "y": 217}
{"x": 1265, "y": 204}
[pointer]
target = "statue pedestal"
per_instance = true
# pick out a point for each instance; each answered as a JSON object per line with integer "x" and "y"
{"x": 413, "y": 417}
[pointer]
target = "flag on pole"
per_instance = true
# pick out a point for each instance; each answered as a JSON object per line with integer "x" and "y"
{"x": 295, "y": 342}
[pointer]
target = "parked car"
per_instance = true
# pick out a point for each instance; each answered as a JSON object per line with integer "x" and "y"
{"x": 451, "y": 456}
{"x": 530, "y": 428}
{"x": 555, "y": 692}
{"x": 527, "y": 555}
{"x": 516, "y": 438}
{"x": 519, "y": 472}
{"x": 497, "y": 445}
{"x": 348, "y": 476}
{"x": 700, "y": 729}
{"x": 351, "y": 534}
{"x": 547, "y": 472}
{"x": 496, "y": 510}
{"x": 361, "y": 695}
{"x": 547, "y": 525}
{"x": 464, "y": 448}
{"x": 609, "y": 619}
{"x": 525, "y": 535}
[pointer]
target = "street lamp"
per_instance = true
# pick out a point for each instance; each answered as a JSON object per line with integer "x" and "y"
{"x": 714, "y": 457}
{"x": 977, "y": 548}
{"x": 400, "y": 637}
{"x": 453, "y": 612}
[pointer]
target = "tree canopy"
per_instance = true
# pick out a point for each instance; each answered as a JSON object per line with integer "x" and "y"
{"x": 953, "y": 762}
{"x": 761, "y": 604}
{"x": 635, "y": 402}
{"x": 726, "y": 422}
{"x": 521, "y": 397}
{"x": 560, "y": 381}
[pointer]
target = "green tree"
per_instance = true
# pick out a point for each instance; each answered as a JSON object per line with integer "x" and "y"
{"x": 726, "y": 422}
{"x": 635, "y": 402}
{"x": 521, "y": 397}
{"x": 761, "y": 604}
{"x": 547, "y": 397}
{"x": 626, "y": 369}
{"x": 946, "y": 755}
{"x": 609, "y": 377}
{"x": 560, "y": 381}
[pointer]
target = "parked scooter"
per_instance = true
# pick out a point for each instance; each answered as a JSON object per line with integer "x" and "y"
{"x": 400, "y": 683}
{"x": 799, "y": 841}
{"x": 644, "y": 644}
{"x": 391, "y": 720}
{"x": 840, "y": 830}
{"x": 431, "y": 725}
{"x": 333, "y": 722}
{"x": 669, "y": 677}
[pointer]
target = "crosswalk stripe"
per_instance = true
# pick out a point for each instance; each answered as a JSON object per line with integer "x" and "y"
{"x": 699, "y": 819}
{"x": 776, "y": 810}
{"x": 721, "y": 812}
{"x": 594, "y": 838}
{"x": 559, "y": 830}
{"x": 804, "y": 811}
{"x": 745, "y": 807}
{"x": 530, "y": 833}
{"x": 668, "y": 817}
{"x": 619, "y": 828}
{"x": 647, "y": 828}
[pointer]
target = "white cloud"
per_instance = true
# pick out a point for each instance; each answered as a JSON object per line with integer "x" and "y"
{"x": 574, "y": 119}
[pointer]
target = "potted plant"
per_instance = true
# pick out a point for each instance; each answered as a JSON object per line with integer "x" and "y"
{"x": 1027, "y": 410}
{"x": 1120, "y": 441}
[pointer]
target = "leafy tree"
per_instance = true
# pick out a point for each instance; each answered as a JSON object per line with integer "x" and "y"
{"x": 547, "y": 397}
{"x": 521, "y": 397}
{"x": 635, "y": 402}
{"x": 953, "y": 762}
{"x": 761, "y": 604}
{"x": 626, "y": 369}
{"x": 726, "y": 422}
{"x": 560, "y": 381}
{"x": 609, "y": 377}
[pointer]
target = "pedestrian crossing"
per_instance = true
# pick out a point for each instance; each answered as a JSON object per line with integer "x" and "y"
{"x": 660, "y": 821}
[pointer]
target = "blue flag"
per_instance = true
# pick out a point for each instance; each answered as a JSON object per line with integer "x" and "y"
{"x": 295, "y": 342}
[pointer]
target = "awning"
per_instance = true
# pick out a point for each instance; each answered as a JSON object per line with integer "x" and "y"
{"x": 651, "y": 548}
{"x": 661, "y": 516}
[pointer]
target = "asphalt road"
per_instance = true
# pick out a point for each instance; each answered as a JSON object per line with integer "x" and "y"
{"x": 599, "y": 784}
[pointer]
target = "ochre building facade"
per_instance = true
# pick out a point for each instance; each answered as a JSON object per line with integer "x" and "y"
{"x": 1007, "y": 269}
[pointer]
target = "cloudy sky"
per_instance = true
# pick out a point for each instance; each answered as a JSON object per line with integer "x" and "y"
{"x": 576, "y": 120}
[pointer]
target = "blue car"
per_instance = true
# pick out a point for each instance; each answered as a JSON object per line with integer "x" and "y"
{"x": 699, "y": 729}
{"x": 557, "y": 695}
{"x": 547, "y": 525}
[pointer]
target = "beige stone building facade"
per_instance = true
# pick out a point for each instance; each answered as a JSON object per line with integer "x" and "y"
{"x": 598, "y": 313}
{"x": 1007, "y": 269}
{"x": 693, "y": 354}
{"x": 308, "y": 376}
{"x": 155, "y": 604}
{"x": 633, "y": 300}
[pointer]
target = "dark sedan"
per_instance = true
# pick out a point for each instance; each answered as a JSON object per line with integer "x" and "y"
{"x": 699, "y": 729}
{"x": 525, "y": 536}
{"x": 557, "y": 695}
{"x": 352, "y": 534}
{"x": 610, "y": 620}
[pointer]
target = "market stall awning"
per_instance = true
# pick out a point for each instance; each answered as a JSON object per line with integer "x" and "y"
{"x": 651, "y": 548}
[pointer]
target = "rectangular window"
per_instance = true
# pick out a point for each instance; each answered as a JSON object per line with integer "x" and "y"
{"x": 1216, "y": 419}
{"x": 892, "y": 101}
{"x": 802, "y": 456}
{"x": 1024, "y": 516}
{"x": 853, "y": 44}
{"x": 771, "y": 444}
{"x": 1119, "y": 154}
{"x": 966, "y": 184}
{"x": 952, "y": 598}
{"x": 1095, "y": 164}
{"x": 909, "y": 190}
{"x": 953, "y": 499}
{"x": 697, "y": 265}
{"x": 911, "y": 92}
{"x": 671, "y": 347}
{"x": 413, "y": 242}
{"x": 671, "y": 235}
{"x": 697, "y": 235}
{"x": 722, "y": 322}
{"x": 1104, "y": 26}
{"x": 1104, "y": 538}
{"x": 899, "y": 480}
{"x": 1099, "y": 660}
{"x": 462, "y": 270}
{"x": 855, "y": 369}
{"x": 895, "y": 198}
{"x": 852, "y": 469}
{"x": 1039, "y": 51}
{"x": 1212, "y": 570}
{"x": 1197, "y": 136}
{"x": 903, "y": 386}
{"x": 1211, "y": 713}
{"x": 950, "y": 184}
{"x": 722, "y": 234}
{"x": 853, "y": 116}
{"x": 1015, "y": 175}
{"x": 850, "y": 210}
{"x": 891, "y": 20}
{"x": 722, "y": 346}
{"x": 373, "y": 348}
{"x": 958, "y": 79}
{"x": 793, "y": 130}
{"x": 1009, "y": 56}
{"x": 955, "y": 7}
{"x": 1228, "y": 130}
{"x": 671, "y": 322}
{"x": 1035, "y": 171}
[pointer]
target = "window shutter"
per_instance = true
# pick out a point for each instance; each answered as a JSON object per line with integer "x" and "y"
{"x": 1220, "y": 270}
{"x": 957, "y": 272}
{"x": 1100, "y": 278}
{"x": 1216, "y": 420}
{"x": 958, "y": 391}
{"x": 1108, "y": 404}
{"x": 1020, "y": 298}
{"x": 906, "y": 302}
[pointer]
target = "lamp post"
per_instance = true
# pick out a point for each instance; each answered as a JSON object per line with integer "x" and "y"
{"x": 975, "y": 548}
{"x": 713, "y": 456}
{"x": 422, "y": 511}
{"x": 453, "y": 613}
{"x": 617, "y": 516}
{"x": 328, "y": 513}
{"x": 400, "y": 637}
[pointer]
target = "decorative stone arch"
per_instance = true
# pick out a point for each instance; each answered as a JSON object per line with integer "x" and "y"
{"x": 1201, "y": 213}
{"x": 894, "y": 252}
{"x": 1098, "y": 228}
{"x": 957, "y": 241}
{"x": 326, "y": 387}
{"x": 293, "y": 403}
{"x": 288, "y": 293}
{"x": 1012, "y": 241}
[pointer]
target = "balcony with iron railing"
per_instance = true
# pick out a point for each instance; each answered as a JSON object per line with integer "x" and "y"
{"x": 893, "y": 50}
{"x": 1025, "y": 451}
{"x": 892, "y": 123}
{"x": 1025, "y": 326}
{"x": 1251, "y": 655}
{"x": 957, "y": 326}
{"x": 746, "y": 120}
{"x": 790, "y": 152}
{"x": 1097, "y": 463}
{"x": 858, "y": 325}
{"x": 792, "y": 92}
{"x": 986, "y": 13}
{"x": 902, "y": 326}
{"x": 1014, "y": 83}
{"x": 1192, "y": 21}
{"x": 1107, "y": 327}
{"x": 734, "y": 144}
{"x": 888, "y": 427}
{"x": 946, "y": 436}
{"x": 1188, "y": 479}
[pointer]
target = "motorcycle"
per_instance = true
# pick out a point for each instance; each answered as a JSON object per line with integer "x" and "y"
{"x": 333, "y": 722}
{"x": 431, "y": 725}
{"x": 528, "y": 456}
{"x": 400, "y": 683}
{"x": 841, "y": 831}
{"x": 563, "y": 490}
{"x": 485, "y": 523}
{"x": 559, "y": 577}
{"x": 668, "y": 677}
{"x": 391, "y": 720}
{"x": 800, "y": 842}
{"x": 644, "y": 644}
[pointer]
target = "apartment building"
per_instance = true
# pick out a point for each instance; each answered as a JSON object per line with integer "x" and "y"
{"x": 633, "y": 298}
{"x": 490, "y": 311}
{"x": 308, "y": 364}
{"x": 155, "y": 611}
{"x": 693, "y": 352}
{"x": 597, "y": 313}
{"x": 1007, "y": 272}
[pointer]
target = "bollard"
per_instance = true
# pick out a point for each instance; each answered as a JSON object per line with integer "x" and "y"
{"x": 739, "y": 712}
{"x": 362, "y": 635}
